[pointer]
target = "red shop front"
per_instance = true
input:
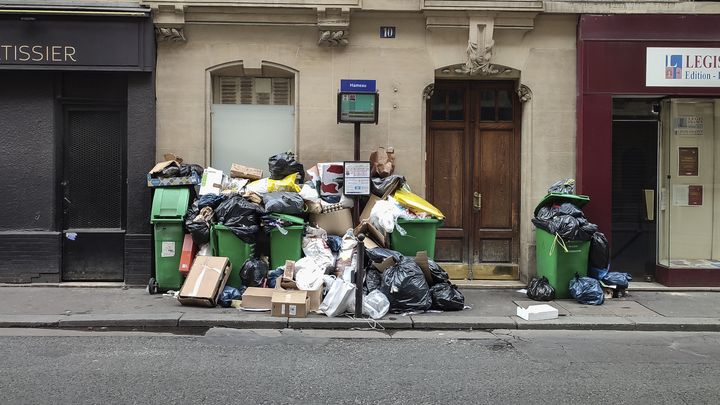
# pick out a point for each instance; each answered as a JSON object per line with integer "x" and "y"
{"x": 647, "y": 145}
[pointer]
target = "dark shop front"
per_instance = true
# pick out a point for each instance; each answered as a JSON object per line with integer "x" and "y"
{"x": 77, "y": 104}
{"x": 648, "y": 142}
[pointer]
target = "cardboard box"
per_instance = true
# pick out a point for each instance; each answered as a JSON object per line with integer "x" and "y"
{"x": 335, "y": 223}
{"x": 211, "y": 182}
{"x": 537, "y": 312}
{"x": 385, "y": 264}
{"x": 421, "y": 259}
{"x": 190, "y": 180}
{"x": 365, "y": 214}
{"x": 188, "y": 254}
{"x": 315, "y": 296}
{"x": 205, "y": 281}
{"x": 244, "y": 172}
{"x": 290, "y": 303}
{"x": 372, "y": 234}
{"x": 257, "y": 298}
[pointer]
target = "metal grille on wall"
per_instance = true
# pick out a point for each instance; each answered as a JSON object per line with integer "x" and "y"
{"x": 94, "y": 169}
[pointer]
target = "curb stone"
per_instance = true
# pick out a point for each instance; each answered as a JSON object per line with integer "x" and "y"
{"x": 120, "y": 320}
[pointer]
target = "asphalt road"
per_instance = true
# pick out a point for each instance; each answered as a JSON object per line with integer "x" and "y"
{"x": 248, "y": 367}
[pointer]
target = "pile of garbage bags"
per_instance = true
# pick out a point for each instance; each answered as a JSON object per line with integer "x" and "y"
{"x": 251, "y": 206}
{"x": 562, "y": 216}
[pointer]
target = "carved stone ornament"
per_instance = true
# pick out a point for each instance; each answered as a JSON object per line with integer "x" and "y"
{"x": 524, "y": 93}
{"x": 428, "y": 91}
{"x": 170, "y": 34}
{"x": 478, "y": 61}
{"x": 333, "y": 38}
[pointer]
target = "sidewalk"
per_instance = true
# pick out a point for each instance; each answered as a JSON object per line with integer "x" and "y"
{"x": 134, "y": 308}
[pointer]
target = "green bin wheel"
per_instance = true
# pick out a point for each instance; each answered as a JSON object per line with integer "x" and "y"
{"x": 152, "y": 286}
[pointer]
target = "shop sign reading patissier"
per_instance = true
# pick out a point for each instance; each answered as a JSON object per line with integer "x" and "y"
{"x": 682, "y": 67}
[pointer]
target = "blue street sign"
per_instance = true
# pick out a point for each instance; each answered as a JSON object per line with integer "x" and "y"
{"x": 357, "y": 86}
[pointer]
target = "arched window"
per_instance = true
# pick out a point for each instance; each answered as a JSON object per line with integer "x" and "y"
{"x": 253, "y": 115}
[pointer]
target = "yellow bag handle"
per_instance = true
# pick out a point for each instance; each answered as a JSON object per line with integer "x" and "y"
{"x": 559, "y": 240}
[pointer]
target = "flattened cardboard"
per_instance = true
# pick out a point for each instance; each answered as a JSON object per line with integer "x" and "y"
{"x": 371, "y": 232}
{"x": 385, "y": 264}
{"x": 290, "y": 303}
{"x": 257, "y": 298}
{"x": 205, "y": 281}
{"x": 365, "y": 214}
{"x": 162, "y": 165}
{"x": 421, "y": 259}
{"x": 244, "y": 172}
{"x": 334, "y": 223}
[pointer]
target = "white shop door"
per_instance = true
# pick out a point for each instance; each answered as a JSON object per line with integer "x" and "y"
{"x": 252, "y": 119}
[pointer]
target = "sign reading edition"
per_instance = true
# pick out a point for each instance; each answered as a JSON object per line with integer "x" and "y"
{"x": 682, "y": 67}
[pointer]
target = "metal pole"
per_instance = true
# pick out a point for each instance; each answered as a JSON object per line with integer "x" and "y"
{"x": 359, "y": 275}
{"x": 357, "y": 141}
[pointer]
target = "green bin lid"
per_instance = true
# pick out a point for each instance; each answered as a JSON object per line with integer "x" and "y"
{"x": 289, "y": 218}
{"x": 170, "y": 203}
{"x": 552, "y": 198}
{"x": 418, "y": 220}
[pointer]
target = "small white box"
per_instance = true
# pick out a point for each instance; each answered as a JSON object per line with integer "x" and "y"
{"x": 537, "y": 312}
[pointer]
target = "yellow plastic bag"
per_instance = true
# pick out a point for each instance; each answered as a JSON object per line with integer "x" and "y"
{"x": 415, "y": 202}
{"x": 269, "y": 185}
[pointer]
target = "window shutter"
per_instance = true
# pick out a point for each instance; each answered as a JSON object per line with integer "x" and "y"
{"x": 228, "y": 90}
{"x": 246, "y": 90}
{"x": 281, "y": 91}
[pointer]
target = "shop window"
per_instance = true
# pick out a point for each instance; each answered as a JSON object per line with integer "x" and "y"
{"x": 246, "y": 109}
{"x": 689, "y": 177}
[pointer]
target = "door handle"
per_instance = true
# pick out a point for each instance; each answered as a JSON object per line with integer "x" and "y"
{"x": 477, "y": 201}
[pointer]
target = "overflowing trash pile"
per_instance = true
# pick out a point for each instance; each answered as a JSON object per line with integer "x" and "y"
{"x": 288, "y": 243}
{"x": 573, "y": 256}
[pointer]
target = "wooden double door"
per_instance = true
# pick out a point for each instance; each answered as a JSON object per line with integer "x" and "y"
{"x": 473, "y": 176}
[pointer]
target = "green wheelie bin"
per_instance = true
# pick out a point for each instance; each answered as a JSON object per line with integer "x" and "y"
{"x": 288, "y": 245}
{"x": 557, "y": 259}
{"x": 168, "y": 210}
{"x": 420, "y": 235}
{"x": 224, "y": 243}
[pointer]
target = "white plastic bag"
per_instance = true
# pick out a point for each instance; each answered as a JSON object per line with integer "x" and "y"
{"x": 318, "y": 250}
{"x": 335, "y": 301}
{"x": 347, "y": 257}
{"x": 308, "y": 274}
{"x": 375, "y": 304}
{"x": 204, "y": 250}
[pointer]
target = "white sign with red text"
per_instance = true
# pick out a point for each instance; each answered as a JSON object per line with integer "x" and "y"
{"x": 682, "y": 67}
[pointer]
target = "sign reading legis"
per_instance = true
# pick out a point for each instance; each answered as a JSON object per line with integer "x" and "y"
{"x": 37, "y": 53}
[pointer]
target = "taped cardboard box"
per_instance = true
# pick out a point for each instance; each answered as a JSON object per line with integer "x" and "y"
{"x": 290, "y": 303}
{"x": 205, "y": 281}
{"x": 257, "y": 298}
{"x": 314, "y": 296}
{"x": 244, "y": 172}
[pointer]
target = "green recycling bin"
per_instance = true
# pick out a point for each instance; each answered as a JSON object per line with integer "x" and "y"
{"x": 224, "y": 243}
{"x": 557, "y": 259}
{"x": 420, "y": 235}
{"x": 168, "y": 210}
{"x": 286, "y": 246}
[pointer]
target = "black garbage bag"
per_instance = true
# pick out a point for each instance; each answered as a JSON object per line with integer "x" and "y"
{"x": 405, "y": 286}
{"x": 387, "y": 185}
{"x": 253, "y": 272}
{"x": 564, "y": 186}
{"x": 586, "y": 290}
{"x": 599, "y": 251}
{"x": 170, "y": 171}
{"x": 587, "y": 229}
{"x": 241, "y": 216}
{"x": 565, "y": 226}
{"x": 539, "y": 289}
{"x": 437, "y": 273}
{"x": 621, "y": 280}
{"x": 547, "y": 212}
{"x": 210, "y": 200}
{"x": 283, "y": 165}
{"x": 379, "y": 254}
{"x": 543, "y": 224}
{"x": 188, "y": 169}
{"x": 283, "y": 202}
{"x": 273, "y": 275}
{"x": 228, "y": 294}
{"x": 200, "y": 231}
{"x": 373, "y": 280}
{"x": 334, "y": 242}
{"x": 447, "y": 297}
{"x": 571, "y": 209}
